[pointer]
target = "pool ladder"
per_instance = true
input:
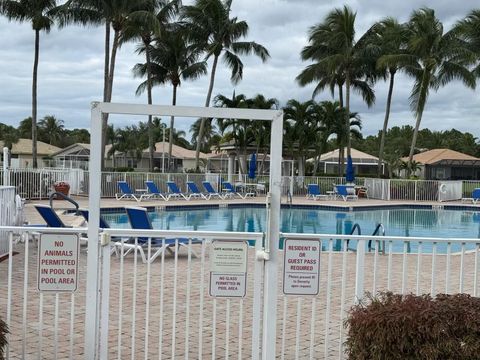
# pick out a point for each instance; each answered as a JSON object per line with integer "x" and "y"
{"x": 379, "y": 231}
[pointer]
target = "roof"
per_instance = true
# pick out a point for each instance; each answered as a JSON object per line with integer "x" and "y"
{"x": 445, "y": 157}
{"x": 357, "y": 156}
{"x": 24, "y": 147}
{"x": 177, "y": 151}
{"x": 78, "y": 149}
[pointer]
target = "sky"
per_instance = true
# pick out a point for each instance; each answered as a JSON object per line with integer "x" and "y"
{"x": 71, "y": 68}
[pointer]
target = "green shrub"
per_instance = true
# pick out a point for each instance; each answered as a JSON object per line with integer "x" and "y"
{"x": 392, "y": 326}
{"x": 3, "y": 338}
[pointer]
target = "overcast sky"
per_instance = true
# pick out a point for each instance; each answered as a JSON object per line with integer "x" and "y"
{"x": 71, "y": 67}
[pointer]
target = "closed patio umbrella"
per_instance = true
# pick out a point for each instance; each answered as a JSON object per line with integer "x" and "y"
{"x": 252, "y": 166}
{"x": 350, "y": 173}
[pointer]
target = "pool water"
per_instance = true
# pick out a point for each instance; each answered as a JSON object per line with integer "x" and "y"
{"x": 397, "y": 221}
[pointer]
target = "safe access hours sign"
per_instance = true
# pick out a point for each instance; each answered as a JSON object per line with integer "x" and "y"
{"x": 58, "y": 262}
{"x": 301, "y": 269}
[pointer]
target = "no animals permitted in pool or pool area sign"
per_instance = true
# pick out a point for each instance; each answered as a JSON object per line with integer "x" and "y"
{"x": 228, "y": 268}
{"x": 58, "y": 262}
{"x": 301, "y": 268}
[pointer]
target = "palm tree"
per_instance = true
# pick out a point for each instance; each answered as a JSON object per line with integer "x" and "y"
{"x": 52, "y": 129}
{"x": 339, "y": 59}
{"x": 433, "y": 58}
{"x": 210, "y": 131}
{"x": 467, "y": 31}
{"x": 174, "y": 60}
{"x": 114, "y": 14}
{"x": 142, "y": 26}
{"x": 210, "y": 25}
{"x": 300, "y": 122}
{"x": 40, "y": 13}
{"x": 387, "y": 37}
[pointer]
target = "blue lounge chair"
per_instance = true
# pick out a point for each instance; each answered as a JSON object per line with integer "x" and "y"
{"x": 314, "y": 192}
{"x": 175, "y": 191}
{"x": 154, "y": 191}
{"x": 138, "y": 218}
{"x": 194, "y": 191}
{"x": 229, "y": 190}
{"x": 475, "y": 197}
{"x": 211, "y": 191}
{"x": 344, "y": 194}
{"x": 50, "y": 216}
{"x": 127, "y": 193}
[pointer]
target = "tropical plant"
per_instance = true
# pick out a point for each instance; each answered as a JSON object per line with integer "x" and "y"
{"x": 51, "y": 129}
{"x": 210, "y": 26}
{"x": 40, "y": 13}
{"x": 387, "y": 37}
{"x": 468, "y": 31}
{"x": 338, "y": 59}
{"x": 433, "y": 58}
{"x": 173, "y": 60}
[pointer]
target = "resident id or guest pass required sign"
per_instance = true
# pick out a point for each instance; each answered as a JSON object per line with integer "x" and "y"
{"x": 58, "y": 262}
{"x": 301, "y": 269}
{"x": 228, "y": 268}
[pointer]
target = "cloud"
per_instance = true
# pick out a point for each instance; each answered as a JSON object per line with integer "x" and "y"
{"x": 71, "y": 68}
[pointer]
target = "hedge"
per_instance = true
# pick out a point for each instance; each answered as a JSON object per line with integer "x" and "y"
{"x": 392, "y": 326}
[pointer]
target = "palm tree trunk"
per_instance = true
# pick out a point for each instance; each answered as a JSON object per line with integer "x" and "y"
{"x": 172, "y": 124}
{"x": 105, "y": 89}
{"x": 347, "y": 110}
{"x": 207, "y": 104}
{"x": 34, "y": 99}
{"x": 116, "y": 39}
{"x": 419, "y": 111}
{"x": 385, "y": 123}
{"x": 340, "y": 95}
{"x": 149, "y": 100}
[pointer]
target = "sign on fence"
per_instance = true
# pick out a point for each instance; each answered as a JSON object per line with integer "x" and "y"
{"x": 58, "y": 262}
{"x": 301, "y": 270}
{"x": 228, "y": 268}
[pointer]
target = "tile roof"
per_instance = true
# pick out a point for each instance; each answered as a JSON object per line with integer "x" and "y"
{"x": 24, "y": 147}
{"x": 433, "y": 156}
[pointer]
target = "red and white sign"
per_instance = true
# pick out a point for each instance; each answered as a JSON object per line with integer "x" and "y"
{"x": 58, "y": 262}
{"x": 228, "y": 268}
{"x": 301, "y": 270}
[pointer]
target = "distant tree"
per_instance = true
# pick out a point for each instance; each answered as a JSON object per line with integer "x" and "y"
{"x": 51, "y": 130}
{"x": 40, "y": 13}
{"x": 25, "y": 128}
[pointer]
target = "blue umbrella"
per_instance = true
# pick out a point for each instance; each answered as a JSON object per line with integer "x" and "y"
{"x": 252, "y": 166}
{"x": 350, "y": 173}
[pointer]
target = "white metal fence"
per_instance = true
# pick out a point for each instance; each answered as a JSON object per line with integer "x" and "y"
{"x": 162, "y": 309}
{"x": 37, "y": 184}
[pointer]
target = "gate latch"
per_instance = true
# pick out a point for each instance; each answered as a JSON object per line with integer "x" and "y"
{"x": 104, "y": 239}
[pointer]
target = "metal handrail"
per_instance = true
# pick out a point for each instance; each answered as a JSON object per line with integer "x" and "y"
{"x": 356, "y": 227}
{"x": 65, "y": 197}
{"x": 379, "y": 228}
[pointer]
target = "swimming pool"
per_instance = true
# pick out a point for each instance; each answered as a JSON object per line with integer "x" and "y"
{"x": 404, "y": 222}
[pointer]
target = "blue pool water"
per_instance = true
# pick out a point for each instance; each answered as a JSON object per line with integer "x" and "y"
{"x": 397, "y": 221}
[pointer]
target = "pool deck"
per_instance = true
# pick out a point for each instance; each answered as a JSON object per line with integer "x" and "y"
{"x": 33, "y": 218}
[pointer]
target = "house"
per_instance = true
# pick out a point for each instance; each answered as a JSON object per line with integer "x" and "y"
{"x": 446, "y": 164}
{"x": 363, "y": 163}
{"x": 74, "y": 156}
{"x": 21, "y": 153}
{"x": 183, "y": 159}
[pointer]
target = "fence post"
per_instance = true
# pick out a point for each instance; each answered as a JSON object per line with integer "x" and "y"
{"x": 416, "y": 181}
{"x": 360, "y": 271}
{"x": 6, "y": 181}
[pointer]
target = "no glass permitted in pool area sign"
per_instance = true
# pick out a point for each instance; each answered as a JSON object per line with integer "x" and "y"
{"x": 228, "y": 268}
{"x": 58, "y": 262}
{"x": 301, "y": 269}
